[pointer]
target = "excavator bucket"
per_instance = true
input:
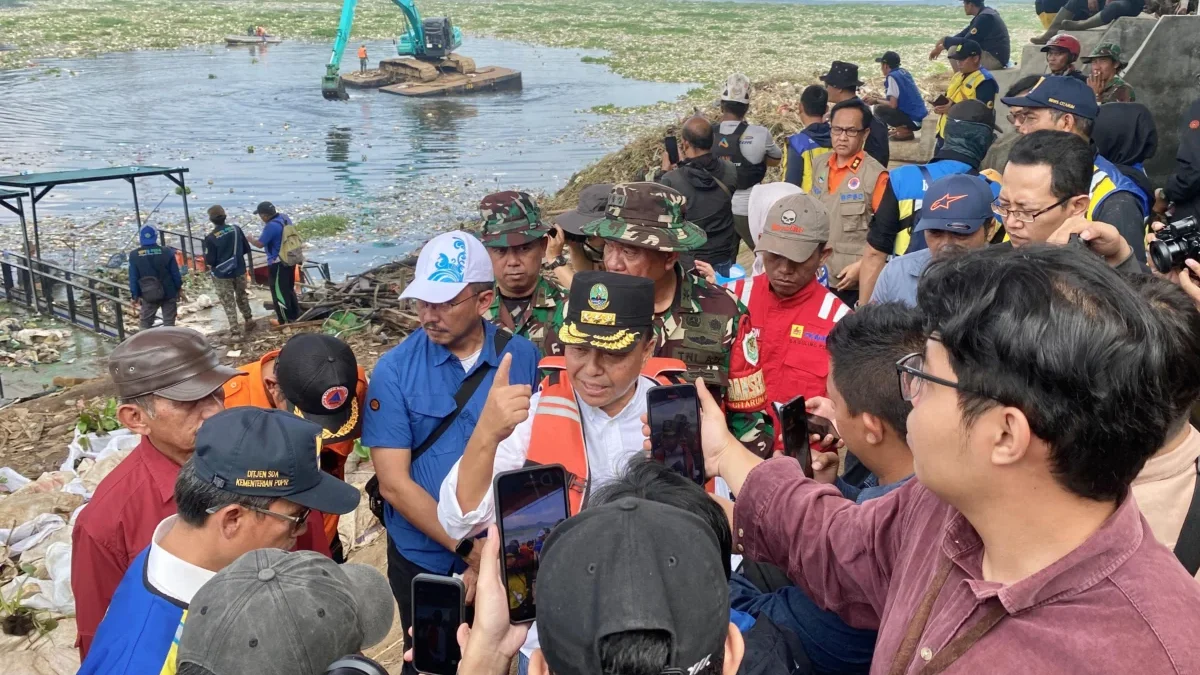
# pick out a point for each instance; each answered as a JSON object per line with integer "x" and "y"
{"x": 333, "y": 88}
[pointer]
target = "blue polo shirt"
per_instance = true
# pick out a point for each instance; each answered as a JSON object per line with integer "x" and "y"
{"x": 412, "y": 389}
{"x": 272, "y": 236}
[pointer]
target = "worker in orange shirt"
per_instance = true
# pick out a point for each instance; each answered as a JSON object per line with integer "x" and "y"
{"x": 317, "y": 377}
{"x": 362, "y": 58}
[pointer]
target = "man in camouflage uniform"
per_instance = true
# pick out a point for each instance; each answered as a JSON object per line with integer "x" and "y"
{"x": 516, "y": 239}
{"x": 700, "y": 324}
{"x": 1106, "y": 62}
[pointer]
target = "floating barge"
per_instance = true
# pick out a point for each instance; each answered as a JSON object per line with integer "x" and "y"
{"x": 451, "y": 76}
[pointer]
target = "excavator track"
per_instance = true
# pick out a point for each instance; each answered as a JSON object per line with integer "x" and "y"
{"x": 409, "y": 70}
{"x": 459, "y": 64}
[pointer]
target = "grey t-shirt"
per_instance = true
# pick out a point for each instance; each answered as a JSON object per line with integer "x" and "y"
{"x": 898, "y": 280}
{"x": 757, "y": 146}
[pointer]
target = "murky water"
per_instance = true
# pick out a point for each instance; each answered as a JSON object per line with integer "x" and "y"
{"x": 251, "y": 125}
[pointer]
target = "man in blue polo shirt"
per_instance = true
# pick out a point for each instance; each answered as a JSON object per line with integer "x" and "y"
{"x": 250, "y": 484}
{"x": 413, "y": 423}
{"x": 281, "y": 276}
{"x": 957, "y": 217}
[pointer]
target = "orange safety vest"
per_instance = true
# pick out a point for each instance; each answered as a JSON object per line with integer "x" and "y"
{"x": 557, "y": 433}
{"x": 362, "y": 52}
{"x": 250, "y": 391}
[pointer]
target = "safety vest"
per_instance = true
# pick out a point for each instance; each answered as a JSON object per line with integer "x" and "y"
{"x": 909, "y": 184}
{"x": 362, "y": 52}
{"x": 809, "y": 151}
{"x": 909, "y": 101}
{"x": 557, "y": 433}
{"x": 963, "y": 89}
{"x": 1108, "y": 179}
{"x": 729, "y": 146}
{"x": 849, "y": 206}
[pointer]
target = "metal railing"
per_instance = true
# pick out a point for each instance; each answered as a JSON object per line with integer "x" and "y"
{"x": 68, "y": 295}
{"x": 312, "y": 271}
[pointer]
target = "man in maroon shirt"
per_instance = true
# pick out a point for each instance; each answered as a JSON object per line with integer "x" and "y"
{"x": 1037, "y": 400}
{"x": 168, "y": 381}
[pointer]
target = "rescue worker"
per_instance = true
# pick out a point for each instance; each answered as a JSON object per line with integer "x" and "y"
{"x": 987, "y": 29}
{"x": 516, "y": 238}
{"x": 749, "y": 147}
{"x": 969, "y": 135}
{"x": 1182, "y": 192}
{"x": 1066, "y": 104}
{"x": 1106, "y": 61}
{"x": 694, "y": 321}
{"x": 807, "y": 145}
{"x": 362, "y": 58}
{"x": 901, "y": 107}
{"x": 1062, "y": 51}
{"x": 154, "y": 279}
{"x": 972, "y": 82}
{"x": 842, "y": 83}
{"x": 850, "y": 184}
{"x": 225, "y": 256}
{"x": 317, "y": 377}
{"x": 792, "y": 313}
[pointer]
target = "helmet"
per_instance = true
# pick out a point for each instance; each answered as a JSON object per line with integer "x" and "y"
{"x": 1064, "y": 41}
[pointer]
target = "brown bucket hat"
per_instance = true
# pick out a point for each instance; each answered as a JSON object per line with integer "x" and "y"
{"x": 647, "y": 215}
{"x": 171, "y": 362}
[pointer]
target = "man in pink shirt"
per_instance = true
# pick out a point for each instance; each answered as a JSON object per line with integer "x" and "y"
{"x": 1036, "y": 402}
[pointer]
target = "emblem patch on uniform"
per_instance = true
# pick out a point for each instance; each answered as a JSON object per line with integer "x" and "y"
{"x": 750, "y": 348}
{"x": 374, "y": 404}
{"x": 816, "y": 191}
{"x": 598, "y": 297}
{"x": 797, "y": 331}
{"x": 334, "y": 397}
{"x": 974, "y": 31}
{"x": 714, "y": 325}
{"x": 854, "y": 183}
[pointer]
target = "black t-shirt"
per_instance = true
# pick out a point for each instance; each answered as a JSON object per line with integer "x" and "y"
{"x": 989, "y": 30}
{"x": 516, "y": 307}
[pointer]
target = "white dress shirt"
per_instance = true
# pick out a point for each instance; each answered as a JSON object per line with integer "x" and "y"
{"x": 169, "y": 575}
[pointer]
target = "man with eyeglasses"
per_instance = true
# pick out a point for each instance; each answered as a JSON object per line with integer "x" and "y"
{"x": 850, "y": 184}
{"x": 1037, "y": 400}
{"x": 425, "y": 397}
{"x": 250, "y": 484}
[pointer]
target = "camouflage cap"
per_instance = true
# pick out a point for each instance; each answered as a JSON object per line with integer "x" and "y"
{"x": 1110, "y": 50}
{"x": 511, "y": 219}
{"x": 647, "y": 215}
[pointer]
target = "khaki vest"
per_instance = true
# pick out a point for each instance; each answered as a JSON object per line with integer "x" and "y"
{"x": 849, "y": 208}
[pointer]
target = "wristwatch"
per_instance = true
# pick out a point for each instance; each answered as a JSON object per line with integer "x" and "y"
{"x": 464, "y": 548}
{"x": 554, "y": 263}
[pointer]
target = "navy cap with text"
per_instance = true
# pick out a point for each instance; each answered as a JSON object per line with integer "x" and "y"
{"x": 1059, "y": 92}
{"x": 959, "y": 203}
{"x": 269, "y": 453}
{"x": 966, "y": 50}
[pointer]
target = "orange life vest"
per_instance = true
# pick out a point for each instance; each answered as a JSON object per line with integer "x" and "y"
{"x": 557, "y": 433}
{"x": 362, "y": 52}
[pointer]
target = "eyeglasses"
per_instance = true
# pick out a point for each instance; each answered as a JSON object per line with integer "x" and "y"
{"x": 913, "y": 377}
{"x": 1009, "y": 214}
{"x": 1019, "y": 118}
{"x": 442, "y": 307}
{"x": 849, "y": 132}
{"x": 298, "y": 521}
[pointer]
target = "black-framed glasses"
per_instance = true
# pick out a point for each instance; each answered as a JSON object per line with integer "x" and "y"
{"x": 912, "y": 375}
{"x": 1009, "y": 214}
{"x": 440, "y": 307}
{"x": 849, "y": 132}
{"x": 297, "y": 521}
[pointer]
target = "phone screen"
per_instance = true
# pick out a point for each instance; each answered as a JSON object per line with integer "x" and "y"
{"x": 794, "y": 422}
{"x": 672, "y": 147}
{"x": 530, "y": 503}
{"x": 674, "y": 416}
{"x": 437, "y": 613}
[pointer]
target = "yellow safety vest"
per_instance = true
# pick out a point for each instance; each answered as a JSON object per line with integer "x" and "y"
{"x": 961, "y": 89}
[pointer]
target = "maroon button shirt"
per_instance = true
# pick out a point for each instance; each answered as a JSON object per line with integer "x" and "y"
{"x": 1120, "y": 603}
{"x": 118, "y": 523}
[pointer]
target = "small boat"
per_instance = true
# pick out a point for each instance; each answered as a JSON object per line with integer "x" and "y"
{"x": 252, "y": 40}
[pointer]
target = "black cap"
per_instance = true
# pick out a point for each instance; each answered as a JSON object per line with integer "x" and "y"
{"x": 1060, "y": 92}
{"x": 269, "y": 453}
{"x": 608, "y": 311}
{"x": 593, "y": 205}
{"x": 967, "y": 49}
{"x": 842, "y": 75}
{"x": 265, "y": 209}
{"x": 631, "y": 565}
{"x": 892, "y": 59}
{"x": 319, "y": 376}
{"x": 972, "y": 110}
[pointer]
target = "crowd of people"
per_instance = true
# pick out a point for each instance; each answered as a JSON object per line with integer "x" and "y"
{"x": 1012, "y": 481}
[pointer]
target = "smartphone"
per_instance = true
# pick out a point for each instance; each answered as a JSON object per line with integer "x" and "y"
{"x": 793, "y": 419}
{"x": 674, "y": 415}
{"x": 529, "y": 504}
{"x": 437, "y": 611}
{"x": 672, "y": 147}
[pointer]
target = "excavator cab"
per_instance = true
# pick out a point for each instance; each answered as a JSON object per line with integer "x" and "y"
{"x": 439, "y": 38}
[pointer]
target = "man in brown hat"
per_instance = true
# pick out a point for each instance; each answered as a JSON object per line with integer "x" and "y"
{"x": 516, "y": 237}
{"x": 168, "y": 382}
{"x": 696, "y": 322}
{"x": 584, "y": 253}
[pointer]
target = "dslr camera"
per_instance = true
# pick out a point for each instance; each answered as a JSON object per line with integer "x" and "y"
{"x": 1177, "y": 242}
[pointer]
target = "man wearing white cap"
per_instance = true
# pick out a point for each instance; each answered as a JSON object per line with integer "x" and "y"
{"x": 424, "y": 399}
{"x": 749, "y": 147}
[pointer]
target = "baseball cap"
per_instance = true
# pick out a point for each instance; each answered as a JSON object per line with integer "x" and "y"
{"x": 147, "y": 236}
{"x": 890, "y": 58}
{"x": 608, "y": 311}
{"x": 957, "y": 203}
{"x": 796, "y": 224}
{"x": 967, "y": 49}
{"x": 1060, "y": 92}
{"x": 173, "y": 362}
{"x": 318, "y": 374}
{"x": 447, "y": 263}
{"x": 593, "y": 201}
{"x": 1065, "y": 42}
{"x": 216, "y": 210}
{"x": 737, "y": 89}
{"x": 632, "y": 565}
{"x": 271, "y": 611}
{"x": 265, "y": 209}
{"x": 257, "y": 452}
{"x": 1110, "y": 50}
{"x": 511, "y": 219}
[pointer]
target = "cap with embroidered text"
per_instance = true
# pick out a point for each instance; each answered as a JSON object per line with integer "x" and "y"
{"x": 447, "y": 263}
{"x": 1060, "y": 92}
{"x": 608, "y": 311}
{"x": 958, "y": 203}
{"x": 796, "y": 225}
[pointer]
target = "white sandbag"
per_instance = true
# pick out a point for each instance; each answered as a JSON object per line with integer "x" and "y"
{"x": 30, "y": 533}
{"x": 98, "y": 447}
{"x": 54, "y": 595}
{"x": 11, "y": 481}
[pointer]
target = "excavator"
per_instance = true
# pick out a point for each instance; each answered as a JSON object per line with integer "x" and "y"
{"x": 424, "y": 51}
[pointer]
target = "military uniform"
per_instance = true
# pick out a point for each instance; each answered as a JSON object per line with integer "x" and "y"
{"x": 514, "y": 219}
{"x": 705, "y": 327}
{"x": 1117, "y": 91}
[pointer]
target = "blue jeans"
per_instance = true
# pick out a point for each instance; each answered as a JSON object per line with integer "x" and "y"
{"x": 831, "y": 645}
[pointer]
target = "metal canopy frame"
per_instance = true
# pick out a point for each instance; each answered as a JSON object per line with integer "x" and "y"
{"x": 7, "y": 200}
{"x": 39, "y": 184}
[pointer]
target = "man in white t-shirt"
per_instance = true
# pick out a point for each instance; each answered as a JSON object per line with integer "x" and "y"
{"x": 749, "y": 147}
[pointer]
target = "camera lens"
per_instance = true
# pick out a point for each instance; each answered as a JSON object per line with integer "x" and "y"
{"x": 1168, "y": 254}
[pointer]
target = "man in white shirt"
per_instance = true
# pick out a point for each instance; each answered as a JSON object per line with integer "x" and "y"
{"x": 749, "y": 147}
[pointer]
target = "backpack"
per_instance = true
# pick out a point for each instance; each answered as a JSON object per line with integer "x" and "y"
{"x": 291, "y": 249}
{"x": 226, "y": 268}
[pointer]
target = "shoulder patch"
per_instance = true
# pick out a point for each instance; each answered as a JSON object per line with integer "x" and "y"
{"x": 750, "y": 348}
